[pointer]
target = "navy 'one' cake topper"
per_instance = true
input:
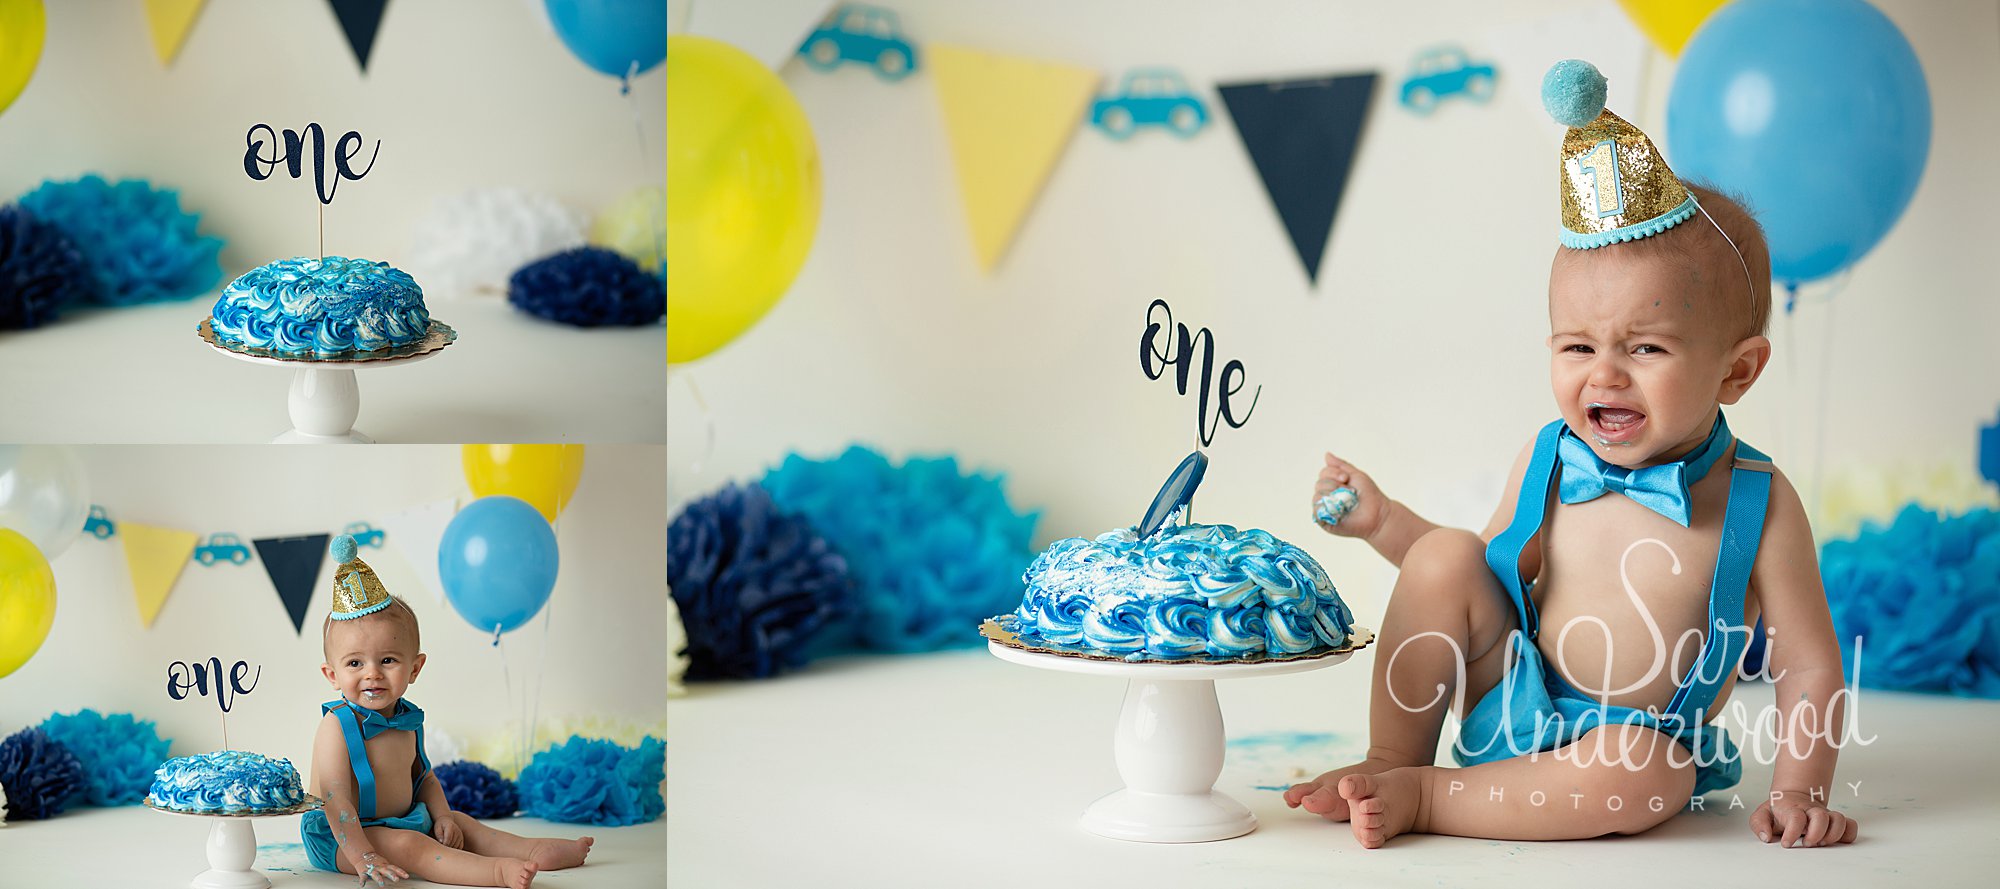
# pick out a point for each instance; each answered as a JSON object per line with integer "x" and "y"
{"x": 290, "y": 150}
{"x": 1175, "y": 494}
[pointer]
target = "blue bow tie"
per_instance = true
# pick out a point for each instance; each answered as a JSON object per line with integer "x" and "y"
{"x": 1662, "y": 489}
{"x": 408, "y": 717}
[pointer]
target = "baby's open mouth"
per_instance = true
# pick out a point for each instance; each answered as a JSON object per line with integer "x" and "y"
{"x": 1614, "y": 425}
{"x": 373, "y": 693}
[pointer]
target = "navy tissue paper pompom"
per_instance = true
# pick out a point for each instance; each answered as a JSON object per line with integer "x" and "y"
{"x": 39, "y": 773}
{"x": 1924, "y": 596}
{"x": 118, "y": 754}
{"x": 40, "y": 271}
{"x": 137, "y": 243}
{"x": 588, "y": 287}
{"x": 478, "y": 790}
{"x": 932, "y": 551}
{"x": 754, "y": 585}
{"x": 591, "y": 781}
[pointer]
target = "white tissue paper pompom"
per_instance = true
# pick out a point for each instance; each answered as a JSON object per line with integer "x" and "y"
{"x": 471, "y": 244}
{"x": 441, "y": 747}
{"x": 677, "y": 640}
{"x": 3, "y": 805}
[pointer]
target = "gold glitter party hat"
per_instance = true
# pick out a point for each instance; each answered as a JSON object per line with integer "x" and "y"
{"x": 356, "y": 590}
{"x": 1614, "y": 185}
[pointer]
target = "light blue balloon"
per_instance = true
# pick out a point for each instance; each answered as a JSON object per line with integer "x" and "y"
{"x": 498, "y": 562}
{"x": 1817, "y": 111}
{"x": 610, "y": 35}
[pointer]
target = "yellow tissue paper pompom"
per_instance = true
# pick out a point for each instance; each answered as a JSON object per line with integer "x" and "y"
{"x": 636, "y": 226}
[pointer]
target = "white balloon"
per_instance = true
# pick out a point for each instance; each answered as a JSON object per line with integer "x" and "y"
{"x": 44, "y": 495}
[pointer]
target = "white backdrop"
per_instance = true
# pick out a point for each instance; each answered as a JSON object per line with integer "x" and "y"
{"x": 602, "y": 658}
{"x": 1419, "y": 354}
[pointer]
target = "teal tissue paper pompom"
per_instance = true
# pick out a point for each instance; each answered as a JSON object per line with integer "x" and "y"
{"x": 343, "y": 549}
{"x": 1573, "y": 92}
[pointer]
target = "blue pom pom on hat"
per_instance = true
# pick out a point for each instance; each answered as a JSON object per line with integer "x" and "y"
{"x": 1573, "y": 92}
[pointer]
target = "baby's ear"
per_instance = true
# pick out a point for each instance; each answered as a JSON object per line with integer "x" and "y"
{"x": 1747, "y": 360}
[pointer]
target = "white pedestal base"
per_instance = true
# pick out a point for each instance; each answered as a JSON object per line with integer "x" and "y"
{"x": 1168, "y": 817}
{"x": 323, "y": 404}
{"x": 232, "y": 857}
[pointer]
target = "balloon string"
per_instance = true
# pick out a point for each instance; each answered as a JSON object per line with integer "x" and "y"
{"x": 707, "y": 422}
{"x": 653, "y": 220}
{"x": 506, "y": 682}
{"x": 1825, "y": 392}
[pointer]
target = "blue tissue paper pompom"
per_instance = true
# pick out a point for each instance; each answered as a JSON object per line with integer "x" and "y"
{"x": 1573, "y": 92}
{"x": 118, "y": 754}
{"x": 477, "y": 790}
{"x": 343, "y": 549}
{"x": 136, "y": 242}
{"x": 39, "y": 773}
{"x": 40, "y": 271}
{"x": 932, "y": 551}
{"x": 591, "y": 781}
{"x": 1923, "y": 595}
{"x": 754, "y": 585}
{"x": 589, "y": 287}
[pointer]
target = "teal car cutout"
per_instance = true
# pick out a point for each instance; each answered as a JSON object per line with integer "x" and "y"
{"x": 222, "y": 548}
{"x": 99, "y": 525}
{"x": 1438, "y": 74}
{"x": 866, "y": 35}
{"x": 364, "y": 534}
{"x": 1150, "y": 97}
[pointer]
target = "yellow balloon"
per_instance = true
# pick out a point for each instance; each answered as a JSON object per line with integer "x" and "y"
{"x": 1669, "y": 23}
{"x": 742, "y": 193}
{"x": 545, "y": 475}
{"x": 22, "y": 24}
{"x": 27, "y": 600}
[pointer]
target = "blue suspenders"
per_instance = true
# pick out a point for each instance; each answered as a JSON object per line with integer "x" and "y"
{"x": 357, "y": 759}
{"x": 1725, "y": 637}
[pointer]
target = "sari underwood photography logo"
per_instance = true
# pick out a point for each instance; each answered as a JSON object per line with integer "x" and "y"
{"x": 1768, "y": 734}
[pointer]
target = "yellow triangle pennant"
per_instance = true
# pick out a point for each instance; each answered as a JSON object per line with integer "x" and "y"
{"x": 155, "y": 556}
{"x": 1008, "y": 119}
{"x": 171, "y": 20}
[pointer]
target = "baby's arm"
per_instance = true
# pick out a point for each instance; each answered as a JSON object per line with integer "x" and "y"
{"x": 1392, "y": 527}
{"x": 1805, "y": 661}
{"x": 336, "y": 780}
{"x": 431, "y": 793}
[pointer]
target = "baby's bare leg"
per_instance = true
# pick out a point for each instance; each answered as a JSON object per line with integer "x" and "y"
{"x": 1447, "y": 614}
{"x": 1618, "y": 779}
{"x": 550, "y": 854}
{"x": 434, "y": 861}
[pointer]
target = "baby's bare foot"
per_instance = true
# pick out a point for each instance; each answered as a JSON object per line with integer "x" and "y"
{"x": 1383, "y": 805}
{"x": 513, "y": 873}
{"x": 1321, "y": 795}
{"x": 559, "y": 854}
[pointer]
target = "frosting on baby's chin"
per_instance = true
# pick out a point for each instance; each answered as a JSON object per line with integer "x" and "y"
{"x": 1186, "y": 591}
{"x": 304, "y": 306}
{"x": 226, "y": 781}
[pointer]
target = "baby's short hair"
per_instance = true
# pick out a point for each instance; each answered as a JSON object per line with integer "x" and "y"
{"x": 397, "y": 609}
{"x": 1696, "y": 246}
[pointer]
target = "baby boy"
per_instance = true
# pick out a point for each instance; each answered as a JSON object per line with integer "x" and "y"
{"x": 1587, "y": 637}
{"x": 386, "y": 816}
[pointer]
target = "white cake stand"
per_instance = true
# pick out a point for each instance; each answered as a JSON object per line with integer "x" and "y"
{"x": 1169, "y": 743}
{"x": 325, "y": 399}
{"x": 232, "y": 847}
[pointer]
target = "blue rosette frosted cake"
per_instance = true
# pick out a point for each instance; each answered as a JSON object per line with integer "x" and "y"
{"x": 332, "y": 308}
{"x": 1165, "y": 590}
{"x": 227, "y": 782}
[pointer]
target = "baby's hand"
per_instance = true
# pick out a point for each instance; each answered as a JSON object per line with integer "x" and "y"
{"x": 445, "y": 830}
{"x": 377, "y": 870}
{"x": 1804, "y": 822}
{"x": 1369, "y": 510}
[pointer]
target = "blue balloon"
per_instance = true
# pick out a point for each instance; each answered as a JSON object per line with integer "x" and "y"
{"x": 1817, "y": 111}
{"x": 498, "y": 562}
{"x": 610, "y": 35}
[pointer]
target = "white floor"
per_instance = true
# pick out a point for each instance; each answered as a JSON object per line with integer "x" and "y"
{"x": 141, "y": 375}
{"x": 132, "y": 847}
{"x": 961, "y": 770}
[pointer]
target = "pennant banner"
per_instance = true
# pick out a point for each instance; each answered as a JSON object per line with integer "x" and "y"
{"x": 1007, "y": 119}
{"x": 155, "y": 557}
{"x": 1302, "y": 136}
{"x": 293, "y": 563}
{"x": 769, "y": 30}
{"x": 359, "y": 19}
{"x": 170, "y": 21}
{"x": 415, "y": 533}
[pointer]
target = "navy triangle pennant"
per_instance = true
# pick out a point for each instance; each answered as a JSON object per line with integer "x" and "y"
{"x": 360, "y": 18}
{"x": 293, "y": 563}
{"x": 1302, "y": 135}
